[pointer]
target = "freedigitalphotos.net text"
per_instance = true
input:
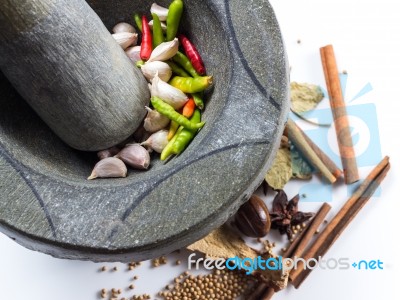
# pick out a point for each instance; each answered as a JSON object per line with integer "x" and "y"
{"x": 280, "y": 263}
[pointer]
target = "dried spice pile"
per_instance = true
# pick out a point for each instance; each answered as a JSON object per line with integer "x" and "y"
{"x": 220, "y": 285}
{"x": 298, "y": 157}
{"x": 223, "y": 242}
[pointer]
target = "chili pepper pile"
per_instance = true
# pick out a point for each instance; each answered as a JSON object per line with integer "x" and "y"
{"x": 188, "y": 75}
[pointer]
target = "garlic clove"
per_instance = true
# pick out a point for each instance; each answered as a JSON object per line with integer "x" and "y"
{"x": 154, "y": 121}
{"x": 133, "y": 53}
{"x": 135, "y": 156}
{"x": 123, "y": 27}
{"x": 160, "y": 11}
{"x": 165, "y": 51}
{"x": 108, "y": 152}
{"x": 125, "y": 39}
{"x": 150, "y": 69}
{"x": 171, "y": 95}
{"x": 109, "y": 167}
{"x": 163, "y": 26}
{"x": 157, "y": 141}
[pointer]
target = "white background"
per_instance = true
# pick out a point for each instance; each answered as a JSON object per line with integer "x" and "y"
{"x": 365, "y": 35}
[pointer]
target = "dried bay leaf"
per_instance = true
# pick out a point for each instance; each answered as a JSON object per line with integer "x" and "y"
{"x": 300, "y": 167}
{"x": 304, "y": 96}
{"x": 281, "y": 170}
{"x": 225, "y": 243}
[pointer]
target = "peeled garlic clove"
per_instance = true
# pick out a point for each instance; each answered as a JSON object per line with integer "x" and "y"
{"x": 109, "y": 167}
{"x": 163, "y": 25}
{"x": 135, "y": 156}
{"x": 125, "y": 39}
{"x": 123, "y": 27}
{"x": 133, "y": 53}
{"x": 150, "y": 69}
{"x": 171, "y": 95}
{"x": 160, "y": 11}
{"x": 157, "y": 141}
{"x": 165, "y": 50}
{"x": 154, "y": 121}
{"x": 108, "y": 152}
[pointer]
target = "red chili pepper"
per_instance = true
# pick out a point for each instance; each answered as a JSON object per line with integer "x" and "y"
{"x": 147, "y": 45}
{"x": 192, "y": 54}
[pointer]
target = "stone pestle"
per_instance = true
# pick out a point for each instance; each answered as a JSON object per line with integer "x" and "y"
{"x": 64, "y": 62}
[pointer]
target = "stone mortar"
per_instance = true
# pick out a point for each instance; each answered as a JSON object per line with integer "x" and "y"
{"x": 46, "y": 203}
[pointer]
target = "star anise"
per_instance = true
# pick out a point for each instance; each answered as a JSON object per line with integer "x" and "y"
{"x": 285, "y": 214}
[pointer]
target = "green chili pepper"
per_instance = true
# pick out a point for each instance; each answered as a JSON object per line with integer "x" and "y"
{"x": 167, "y": 151}
{"x": 191, "y": 85}
{"x": 182, "y": 60}
{"x": 138, "y": 21}
{"x": 175, "y": 11}
{"x": 185, "y": 136}
{"x": 168, "y": 111}
{"x": 158, "y": 36}
{"x": 177, "y": 69}
{"x": 198, "y": 99}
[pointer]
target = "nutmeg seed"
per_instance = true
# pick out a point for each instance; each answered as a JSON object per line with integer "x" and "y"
{"x": 252, "y": 218}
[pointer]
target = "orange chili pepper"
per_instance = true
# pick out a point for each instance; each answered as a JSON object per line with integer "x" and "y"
{"x": 189, "y": 108}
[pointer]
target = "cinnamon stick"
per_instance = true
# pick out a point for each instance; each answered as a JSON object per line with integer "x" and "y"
{"x": 342, "y": 219}
{"x": 298, "y": 140}
{"x": 263, "y": 292}
{"x": 299, "y": 245}
{"x": 339, "y": 112}
{"x": 329, "y": 163}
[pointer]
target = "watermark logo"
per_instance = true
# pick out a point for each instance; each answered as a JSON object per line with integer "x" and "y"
{"x": 249, "y": 265}
{"x": 365, "y": 135}
{"x": 364, "y": 129}
{"x": 368, "y": 265}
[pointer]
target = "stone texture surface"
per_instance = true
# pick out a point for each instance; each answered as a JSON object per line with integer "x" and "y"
{"x": 46, "y": 204}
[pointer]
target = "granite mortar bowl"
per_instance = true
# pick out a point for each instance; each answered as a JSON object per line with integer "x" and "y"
{"x": 46, "y": 203}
